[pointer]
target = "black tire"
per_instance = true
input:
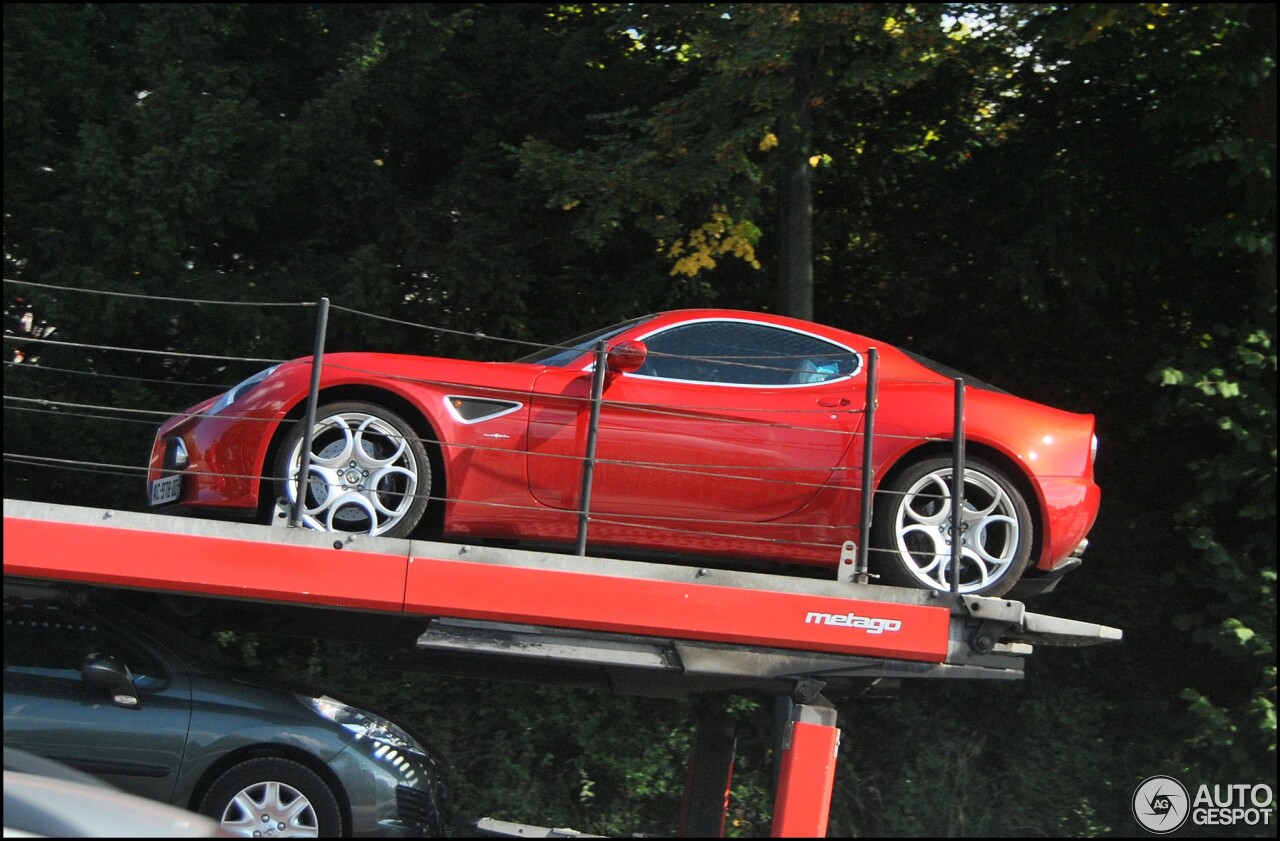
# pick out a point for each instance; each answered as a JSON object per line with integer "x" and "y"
{"x": 910, "y": 536}
{"x": 380, "y": 488}
{"x": 279, "y": 795}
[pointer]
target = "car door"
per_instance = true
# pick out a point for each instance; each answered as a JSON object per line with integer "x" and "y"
{"x": 728, "y": 419}
{"x": 51, "y": 712}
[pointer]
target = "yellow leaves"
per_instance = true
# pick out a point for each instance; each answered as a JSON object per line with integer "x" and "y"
{"x": 930, "y": 136}
{"x": 820, "y": 160}
{"x": 894, "y": 27}
{"x": 378, "y": 162}
{"x": 570, "y": 204}
{"x": 1100, "y": 25}
{"x": 721, "y": 235}
{"x": 769, "y": 141}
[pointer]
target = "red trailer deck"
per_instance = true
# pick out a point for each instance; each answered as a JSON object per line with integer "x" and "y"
{"x": 632, "y": 627}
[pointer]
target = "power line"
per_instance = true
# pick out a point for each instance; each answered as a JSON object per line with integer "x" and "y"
{"x": 150, "y": 297}
{"x": 10, "y": 337}
{"x": 41, "y": 367}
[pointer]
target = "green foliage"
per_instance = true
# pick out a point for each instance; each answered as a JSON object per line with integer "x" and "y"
{"x": 534, "y": 754}
{"x": 1074, "y": 201}
{"x": 1052, "y": 775}
{"x": 1230, "y": 523}
{"x": 715, "y": 142}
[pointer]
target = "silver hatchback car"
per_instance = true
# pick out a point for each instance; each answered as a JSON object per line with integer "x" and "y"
{"x": 93, "y": 684}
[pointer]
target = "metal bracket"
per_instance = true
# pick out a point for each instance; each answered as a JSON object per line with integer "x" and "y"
{"x": 847, "y": 572}
{"x": 1004, "y": 620}
{"x": 808, "y": 690}
{"x": 986, "y": 636}
{"x": 280, "y": 512}
{"x": 509, "y": 829}
{"x": 995, "y": 619}
{"x": 993, "y": 609}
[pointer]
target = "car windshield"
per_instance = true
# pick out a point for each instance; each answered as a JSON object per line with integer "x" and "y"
{"x": 562, "y": 353}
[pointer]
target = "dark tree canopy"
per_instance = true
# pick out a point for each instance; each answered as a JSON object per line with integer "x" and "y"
{"x": 1074, "y": 201}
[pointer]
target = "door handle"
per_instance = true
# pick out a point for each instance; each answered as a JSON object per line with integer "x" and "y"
{"x": 833, "y": 402}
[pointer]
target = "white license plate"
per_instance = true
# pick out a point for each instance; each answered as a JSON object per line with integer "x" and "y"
{"x": 167, "y": 489}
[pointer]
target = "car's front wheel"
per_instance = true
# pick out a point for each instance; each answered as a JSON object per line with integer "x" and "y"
{"x": 912, "y": 531}
{"x": 273, "y": 797}
{"x": 369, "y": 472}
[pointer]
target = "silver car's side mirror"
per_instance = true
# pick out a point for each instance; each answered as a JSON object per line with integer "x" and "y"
{"x": 102, "y": 671}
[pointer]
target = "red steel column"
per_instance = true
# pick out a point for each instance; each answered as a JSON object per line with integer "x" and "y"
{"x": 808, "y": 772}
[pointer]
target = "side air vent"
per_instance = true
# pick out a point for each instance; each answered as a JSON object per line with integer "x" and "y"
{"x": 476, "y": 409}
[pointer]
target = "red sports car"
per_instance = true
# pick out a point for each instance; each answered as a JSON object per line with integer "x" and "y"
{"x": 722, "y": 434}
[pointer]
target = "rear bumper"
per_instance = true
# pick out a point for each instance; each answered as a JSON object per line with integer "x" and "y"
{"x": 1037, "y": 583}
{"x": 1070, "y": 505}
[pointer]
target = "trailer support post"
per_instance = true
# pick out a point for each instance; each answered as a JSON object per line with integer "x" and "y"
{"x": 710, "y": 774}
{"x": 808, "y": 773}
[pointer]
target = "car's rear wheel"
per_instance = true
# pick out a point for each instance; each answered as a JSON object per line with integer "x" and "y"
{"x": 369, "y": 471}
{"x": 912, "y": 530}
{"x": 273, "y": 797}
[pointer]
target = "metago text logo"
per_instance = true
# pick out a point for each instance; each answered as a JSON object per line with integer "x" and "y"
{"x": 870, "y": 624}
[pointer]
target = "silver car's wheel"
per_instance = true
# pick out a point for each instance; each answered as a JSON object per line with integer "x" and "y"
{"x": 913, "y": 529}
{"x": 272, "y": 798}
{"x": 369, "y": 473}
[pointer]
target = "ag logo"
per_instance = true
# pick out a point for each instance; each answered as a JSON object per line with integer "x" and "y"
{"x": 1161, "y": 804}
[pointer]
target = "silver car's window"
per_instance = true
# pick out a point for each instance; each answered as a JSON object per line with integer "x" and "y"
{"x": 52, "y": 640}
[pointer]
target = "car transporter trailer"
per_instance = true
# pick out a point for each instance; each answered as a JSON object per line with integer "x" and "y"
{"x": 634, "y": 628}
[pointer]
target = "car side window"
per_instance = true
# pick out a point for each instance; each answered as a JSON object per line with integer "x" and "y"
{"x": 52, "y": 640}
{"x": 741, "y": 353}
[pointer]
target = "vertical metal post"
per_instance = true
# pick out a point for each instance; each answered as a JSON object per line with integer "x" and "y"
{"x": 802, "y": 805}
{"x": 308, "y": 431}
{"x": 593, "y": 428}
{"x": 957, "y": 487}
{"x": 868, "y": 472}
{"x": 709, "y": 776}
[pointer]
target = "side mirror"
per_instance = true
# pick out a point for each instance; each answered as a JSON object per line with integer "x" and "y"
{"x": 102, "y": 671}
{"x": 626, "y": 357}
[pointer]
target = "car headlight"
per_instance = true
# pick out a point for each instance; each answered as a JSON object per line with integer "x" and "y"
{"x": 239, "y": 390}
{"x": 363, "y": 723}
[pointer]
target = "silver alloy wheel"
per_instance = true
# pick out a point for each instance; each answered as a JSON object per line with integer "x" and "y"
{"x": 990, "y": 534}
{"x": 363, "y": 475}
{"x": 270, "y": 810}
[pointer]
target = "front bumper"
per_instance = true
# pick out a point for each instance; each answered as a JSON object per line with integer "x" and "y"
{"x": 392, "y": 791}
{"x": 216, "y": 459}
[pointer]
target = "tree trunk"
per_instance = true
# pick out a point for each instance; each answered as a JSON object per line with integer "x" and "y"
{"x": 795, "y": 198}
